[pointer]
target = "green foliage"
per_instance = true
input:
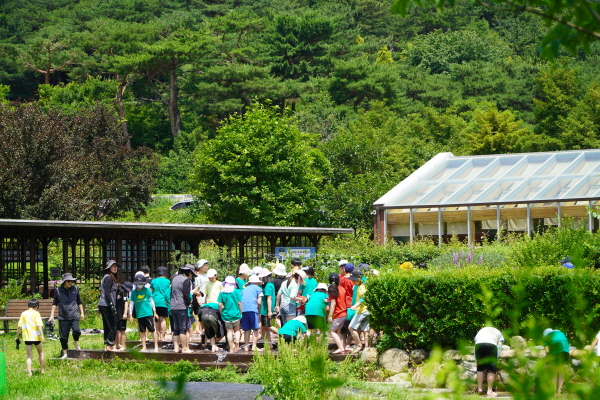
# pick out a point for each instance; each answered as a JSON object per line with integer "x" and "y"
{"x": 12, "y": 290}
{"x": 306, "y": 377}
{"x": 438, "y": 50}
{"x": 419, "y": 309}
{"x": 260, "y": 169}
{"x": 493, "y": 132}
{"x": 90, "y": 294}
{"x": 574, "y": 23}
{"x": 74, "y": 96}
{"x": 553, "y": 245}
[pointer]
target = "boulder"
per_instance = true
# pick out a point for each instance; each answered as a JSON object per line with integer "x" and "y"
{"x": 537, "y": 352}
{"x": 401, "y": 380}
{"x": 579, "y": 354}
{"x": 518, "y": 343}
{"x": 507, "y": 353}
{"x": 417, "y": 356}
{"x": 426, "y": 376}
{"x": 469, "y": 357}
{"x": 469, "y": 366}
{"x": 575, "y": 362}
{"x": 504, "y": 376}
{"x": 451, "y": 355}
{"x": 394, "y": 360}
{"x": 369, "y": 355}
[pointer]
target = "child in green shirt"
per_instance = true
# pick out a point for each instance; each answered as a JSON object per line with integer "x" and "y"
{"x": 145, "y": 311}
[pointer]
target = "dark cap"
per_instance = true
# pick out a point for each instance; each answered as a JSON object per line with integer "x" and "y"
{"x": 333, "y": 277}
{"x": 362, "y": 267}
{"x": 162, "y": 271}
{"x": 349, "y": 267}
{"x": 355, "y": 276}
{"x": 188, "y": 268}
{"x": 139, "y": 280}
{"x": 128, "y": 286}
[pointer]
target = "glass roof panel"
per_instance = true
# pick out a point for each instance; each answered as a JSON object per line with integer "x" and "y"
{"x": 500, "y": 178}
{"x": 445, "y": 170}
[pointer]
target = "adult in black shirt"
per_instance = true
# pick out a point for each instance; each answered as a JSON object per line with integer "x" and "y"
{"x": 70, "y": 310}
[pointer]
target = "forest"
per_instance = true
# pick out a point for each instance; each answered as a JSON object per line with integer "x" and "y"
{"x": 272, "y": 112}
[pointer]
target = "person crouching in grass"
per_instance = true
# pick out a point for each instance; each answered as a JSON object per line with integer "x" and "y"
{"x": 145, "y": 311}
{"x": 32, "y": 327}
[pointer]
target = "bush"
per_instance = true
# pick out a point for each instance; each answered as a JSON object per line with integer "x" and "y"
{"x": 419, "y": 309}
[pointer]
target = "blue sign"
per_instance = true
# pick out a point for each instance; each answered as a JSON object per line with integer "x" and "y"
{"x": 304, "y": 253}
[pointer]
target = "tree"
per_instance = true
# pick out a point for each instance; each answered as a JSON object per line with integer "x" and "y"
{"x": 574, "y": 23}
{"x": 496, "y": 132}
{"x": 260, "y": 170}
{"x": 581, "y": 129}
{"x": 69, "y": 166}
{"x": 556, "y": 93}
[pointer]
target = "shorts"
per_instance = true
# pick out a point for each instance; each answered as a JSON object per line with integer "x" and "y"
{"x": 146, "y": 322}
{"x": 192, "y": 320}
{"x": 213, "y": 325}
{"x": 486, "y": 355}
{"x": 315, "y": 322}
{"x": 560, "y": 358}
{"x": 162, "y": 312}
{"x": 33, "y": 342}
{"x": 265, "y": 320}
{"x": 360, "y": 322}
{"x": 233, "y": 324}
{"x": 181, "y": 322}
{"x": 345, "y": 328}
{"x": 287, "y": 338}
{"x": 121, "y": 324}
{"x": 337, "y": 324}
{"x": 287, "y": 312}
{"x": 249, "y": 320}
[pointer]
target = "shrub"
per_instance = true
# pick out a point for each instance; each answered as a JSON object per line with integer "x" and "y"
{"x": 419, "y": 309}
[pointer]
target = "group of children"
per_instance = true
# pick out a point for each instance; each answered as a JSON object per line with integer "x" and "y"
{"x": 258, "y": 302}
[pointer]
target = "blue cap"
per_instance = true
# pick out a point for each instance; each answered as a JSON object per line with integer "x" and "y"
{"x": 349, "y": 267}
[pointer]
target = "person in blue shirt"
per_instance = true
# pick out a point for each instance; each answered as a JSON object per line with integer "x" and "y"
{"x": 566, "y": 262}
{"x": 251, "y": 303}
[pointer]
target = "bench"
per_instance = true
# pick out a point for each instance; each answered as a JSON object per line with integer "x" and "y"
{"x": 15, "y": 307}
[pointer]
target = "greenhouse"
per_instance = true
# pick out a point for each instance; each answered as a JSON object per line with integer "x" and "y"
{"x": 479, "y": 198}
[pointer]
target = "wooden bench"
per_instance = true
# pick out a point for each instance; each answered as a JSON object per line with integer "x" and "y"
{"x": 15, "y": 307}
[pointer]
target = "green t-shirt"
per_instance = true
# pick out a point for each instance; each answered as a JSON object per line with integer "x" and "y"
{"x": 352, "y": 313}
{"x": 557, "y": 342}
{"x": 161, "y": 291}
{"x": 269, "y": 290}
{"x": 292, "y": 328}
{"x": 141, "y": 302}
{"x": 316, "y": 304}
{"x": 310, "y": 284}
{"x": 240, "y": 283}
{"x": 231, "y": 308}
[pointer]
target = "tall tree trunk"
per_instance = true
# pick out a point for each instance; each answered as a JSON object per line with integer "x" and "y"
{"x": 121, "y": 109}
{"x": 174, "y": 114}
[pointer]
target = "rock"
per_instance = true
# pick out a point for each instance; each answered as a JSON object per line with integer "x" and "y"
{"x": 469, "y": 366}
{"x": 401, "y": 380}
{"x": 518, "y": 343}
{"x": 394, "y": 360}
{"x": 588, "y": 348}
{"x": 507, "y": 353}
{"x": 417, "y": 356}
{"x": 537, "y": 352}
{"x": 426, "y": 376}
{"x": 373, "y": 375}
{"x": 468, "y": 376}
{"x": 575, "y": 362}
{"x": 451, "y": 355}
{"x": 369, "y": 356}
{"x": 504, "y": 376}
{"x": 469, "y": 358}
{"x": 578, "y": 354}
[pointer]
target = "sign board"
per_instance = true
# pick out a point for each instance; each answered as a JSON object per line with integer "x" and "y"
{"x": 55, "y": 272}
{"x": 283, "y": 253}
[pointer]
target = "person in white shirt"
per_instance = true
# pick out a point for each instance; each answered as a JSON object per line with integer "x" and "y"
{"x": 200, "y": 282}
{"x": 487, "y": 341}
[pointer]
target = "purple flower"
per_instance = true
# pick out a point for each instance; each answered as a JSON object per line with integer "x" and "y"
{"x": 454, "y": 258}
{"x": 470, "y": 256}
{"x": 480, "y": 259}
{"x": 463, "y": 254}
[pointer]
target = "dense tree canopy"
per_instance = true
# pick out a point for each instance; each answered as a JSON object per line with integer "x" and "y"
{"x": 369, "y": 94}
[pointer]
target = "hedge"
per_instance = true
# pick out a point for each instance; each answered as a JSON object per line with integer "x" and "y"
{"x": 421, "y": 309}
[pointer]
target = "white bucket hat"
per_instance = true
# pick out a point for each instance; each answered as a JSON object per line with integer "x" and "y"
{"x": 279, "y": 270}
